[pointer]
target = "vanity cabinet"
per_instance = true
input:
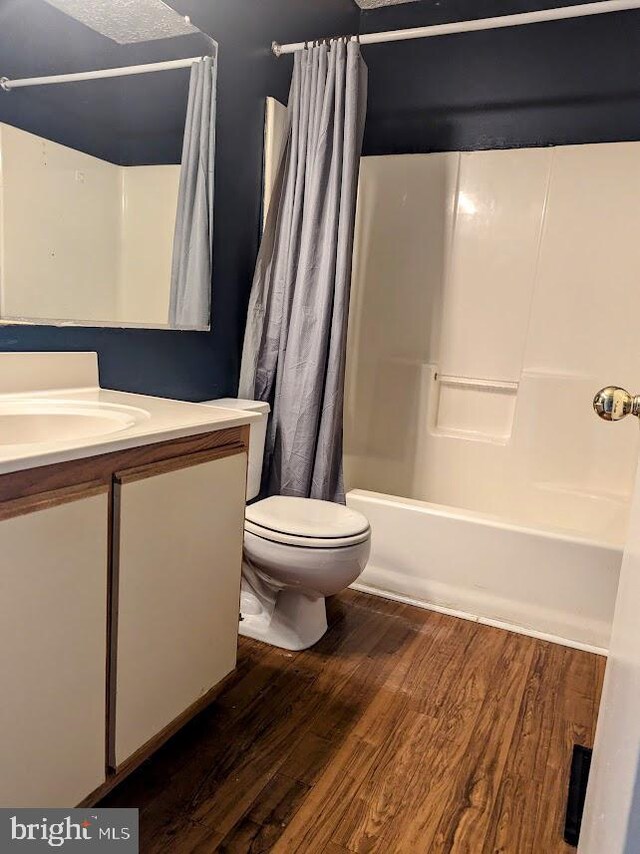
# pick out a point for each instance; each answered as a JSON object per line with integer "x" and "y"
{"x": 119, "y": 607}
{"x": 53, "y": 624}
{"x": 177, "y": 552}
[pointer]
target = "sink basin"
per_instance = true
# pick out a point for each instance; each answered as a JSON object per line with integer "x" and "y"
{"x": 44, "y": 421}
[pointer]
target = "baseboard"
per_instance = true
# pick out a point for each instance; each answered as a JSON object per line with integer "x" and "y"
{"x": 475, "y": 618}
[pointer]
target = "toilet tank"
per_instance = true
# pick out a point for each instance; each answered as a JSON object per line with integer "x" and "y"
{"x": 257, "y": 437}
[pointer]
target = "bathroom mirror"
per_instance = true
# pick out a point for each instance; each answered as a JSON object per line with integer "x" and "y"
{"x": 90, "y": 169}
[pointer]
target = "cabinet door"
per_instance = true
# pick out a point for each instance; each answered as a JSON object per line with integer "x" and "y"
{"x": 177, "y": 575}
{"x": 53, "y": 625}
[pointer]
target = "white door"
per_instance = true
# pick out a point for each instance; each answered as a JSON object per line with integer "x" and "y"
{"x": 611, "y": 820}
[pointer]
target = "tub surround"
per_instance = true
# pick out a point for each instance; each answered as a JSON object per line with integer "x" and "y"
{"x": 514, "y": 300}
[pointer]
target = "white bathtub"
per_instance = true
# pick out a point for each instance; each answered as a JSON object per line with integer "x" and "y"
{"x": 548, "y": 584}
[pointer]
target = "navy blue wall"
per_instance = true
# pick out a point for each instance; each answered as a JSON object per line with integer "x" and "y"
{"x": 544, "y": 84}
{"x": 195, "y": 365}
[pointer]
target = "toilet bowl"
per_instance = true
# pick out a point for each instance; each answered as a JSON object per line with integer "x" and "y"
{"x": 297, "y": 551}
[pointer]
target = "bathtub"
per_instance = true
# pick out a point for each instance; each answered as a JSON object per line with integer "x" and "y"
{"x": 550, "y": 584}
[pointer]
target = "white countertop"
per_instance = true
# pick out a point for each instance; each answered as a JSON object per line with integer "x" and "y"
{"x": 157, "y": 419}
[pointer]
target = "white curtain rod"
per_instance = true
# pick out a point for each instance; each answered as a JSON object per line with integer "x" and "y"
{"x": 560, "y": 14}
{"x": 123, "y": 71}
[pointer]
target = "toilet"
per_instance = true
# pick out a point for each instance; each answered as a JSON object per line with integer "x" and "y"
{"x": 297, "y": 551}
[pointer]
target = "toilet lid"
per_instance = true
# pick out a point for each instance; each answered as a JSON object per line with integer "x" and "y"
{"x": 305, "y": 542}
{"x": 307, "y": 517}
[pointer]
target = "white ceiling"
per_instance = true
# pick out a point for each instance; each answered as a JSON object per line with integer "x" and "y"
{"x": 373, "y": 4}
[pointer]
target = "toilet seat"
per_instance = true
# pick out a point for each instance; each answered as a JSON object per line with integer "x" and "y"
{"x": 306, "y": 523}
{"x": 305, "y": 542}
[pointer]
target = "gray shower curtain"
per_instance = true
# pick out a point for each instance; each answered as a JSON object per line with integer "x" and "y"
{"x": 190, "y": 295}
{"x": 295, "y": 340}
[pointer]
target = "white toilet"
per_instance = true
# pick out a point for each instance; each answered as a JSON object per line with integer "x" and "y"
{"x": 296, "y": 552}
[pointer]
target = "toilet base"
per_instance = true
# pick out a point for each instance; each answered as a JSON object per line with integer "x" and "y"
{"x": 294, "y": 621}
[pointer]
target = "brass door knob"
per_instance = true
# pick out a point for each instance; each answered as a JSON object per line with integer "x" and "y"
{"x": 613, "y": 403}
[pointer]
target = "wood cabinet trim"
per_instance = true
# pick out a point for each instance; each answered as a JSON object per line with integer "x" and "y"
{"x": 34, "y": 481}
{"x": 177, "y": 463}
{"x": 52, "y": 498}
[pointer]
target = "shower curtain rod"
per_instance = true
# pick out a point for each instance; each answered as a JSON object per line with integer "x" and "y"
{"x": 559, "y": 14}
{"x": 122, "y": 71}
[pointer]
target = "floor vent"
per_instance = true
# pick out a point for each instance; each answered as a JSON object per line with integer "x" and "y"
{"x": 580, "y": 764}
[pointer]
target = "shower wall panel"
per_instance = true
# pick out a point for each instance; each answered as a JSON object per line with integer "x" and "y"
{"x": 499, "y": 213}
{"x": 493, "y": 293}
{"x": 59, "y": 224}
{"x": 82, "y": 238}
{"x": 149, "y": 204}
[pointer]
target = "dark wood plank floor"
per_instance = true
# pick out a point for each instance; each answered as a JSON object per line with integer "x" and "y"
{"x": 403, "y": 730}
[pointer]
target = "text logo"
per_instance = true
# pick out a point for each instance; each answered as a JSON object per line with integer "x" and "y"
{"x": 27, "y": 830}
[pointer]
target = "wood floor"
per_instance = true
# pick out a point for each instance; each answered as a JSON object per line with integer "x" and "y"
{"x": 403, "y": 730}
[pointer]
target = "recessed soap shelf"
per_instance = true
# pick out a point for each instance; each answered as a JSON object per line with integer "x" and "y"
{"x": 476, "y": 409}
